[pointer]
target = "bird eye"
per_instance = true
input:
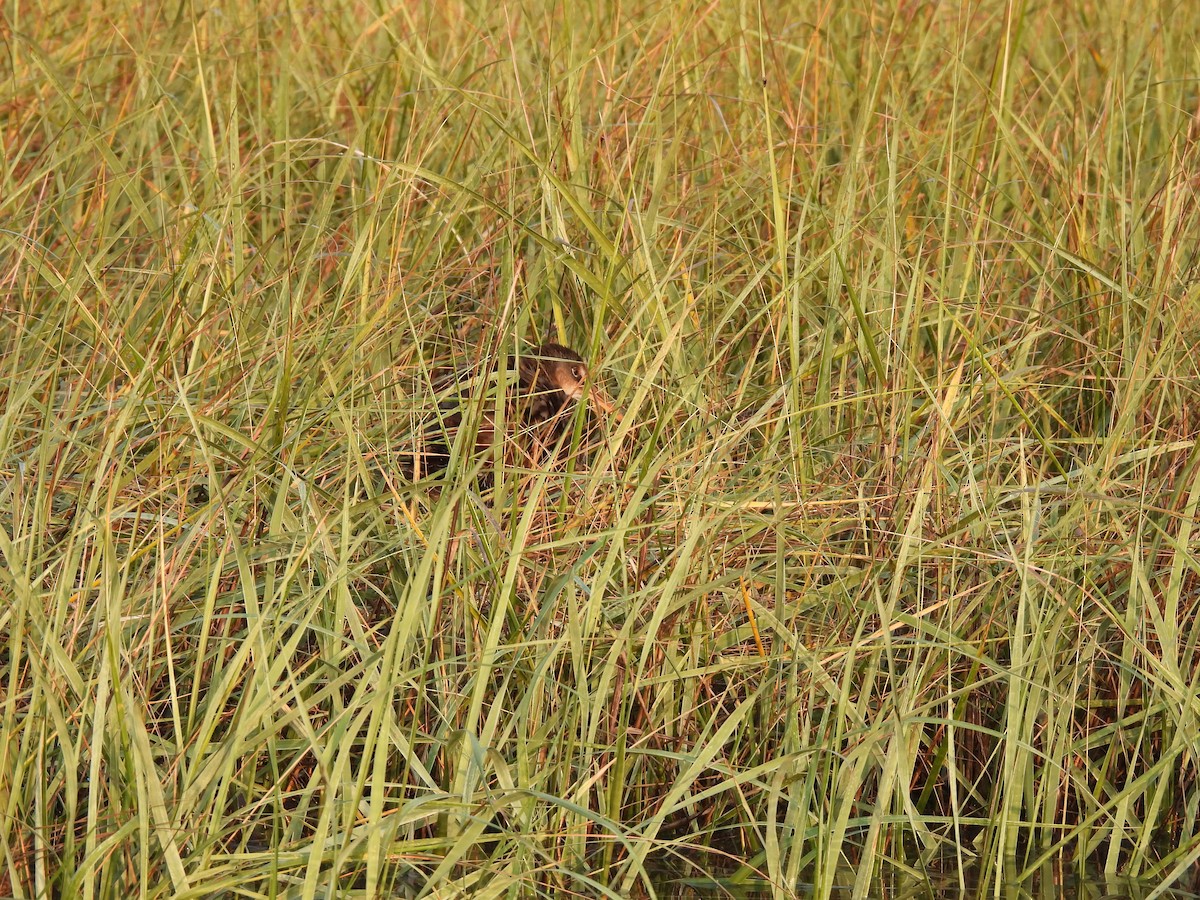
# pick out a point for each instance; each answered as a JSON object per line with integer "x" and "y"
{"x": 577, "y": 373}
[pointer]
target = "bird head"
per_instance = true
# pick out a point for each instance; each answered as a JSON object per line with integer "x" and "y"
{"x": 559, "y": 375}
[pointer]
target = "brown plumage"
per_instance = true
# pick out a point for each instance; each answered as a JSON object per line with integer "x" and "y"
{"x": 551, "y": 379}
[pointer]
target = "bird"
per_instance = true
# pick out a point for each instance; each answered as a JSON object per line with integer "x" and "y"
{"x": 550, "y": 380}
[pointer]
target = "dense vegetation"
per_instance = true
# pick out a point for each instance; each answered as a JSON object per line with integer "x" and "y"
{"x": 889, "y": 555}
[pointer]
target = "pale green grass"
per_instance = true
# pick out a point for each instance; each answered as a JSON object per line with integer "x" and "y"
{"x": 888, "y": 559}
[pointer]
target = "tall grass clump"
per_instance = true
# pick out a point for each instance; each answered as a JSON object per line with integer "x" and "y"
{"x": 889, "y": 558}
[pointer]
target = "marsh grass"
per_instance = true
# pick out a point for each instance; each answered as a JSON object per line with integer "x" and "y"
{"x": 887, "y": 559}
